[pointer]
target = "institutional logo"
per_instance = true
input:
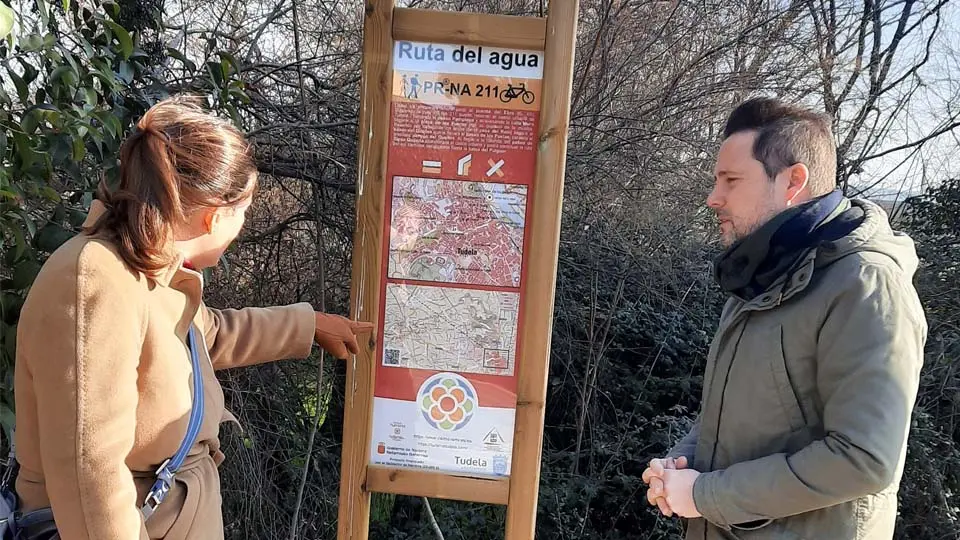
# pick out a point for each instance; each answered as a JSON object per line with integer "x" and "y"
{"x": 493, "y": 440}
{"x": 500, "y": 465}
{"x": 447, "y": 401}
{"x": 396, "y": 431}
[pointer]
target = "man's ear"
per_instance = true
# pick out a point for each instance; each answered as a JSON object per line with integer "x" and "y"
{"x": 798, "y": 176}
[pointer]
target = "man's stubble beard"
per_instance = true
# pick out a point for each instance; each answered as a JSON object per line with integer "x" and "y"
{"x": 743, "y": 230}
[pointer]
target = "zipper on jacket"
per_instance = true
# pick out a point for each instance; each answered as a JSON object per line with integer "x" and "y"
{"x": 723, "y": 394}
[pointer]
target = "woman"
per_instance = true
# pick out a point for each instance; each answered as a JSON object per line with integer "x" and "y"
{"x": 103, "y": 370}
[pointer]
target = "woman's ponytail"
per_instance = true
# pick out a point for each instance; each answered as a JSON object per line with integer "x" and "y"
{"x": 179, "y": 158}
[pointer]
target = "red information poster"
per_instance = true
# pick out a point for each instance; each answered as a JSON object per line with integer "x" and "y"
{"x": 460, "y": 166}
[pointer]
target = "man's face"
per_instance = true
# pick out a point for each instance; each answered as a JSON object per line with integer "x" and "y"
{"x": 743, "y": 196}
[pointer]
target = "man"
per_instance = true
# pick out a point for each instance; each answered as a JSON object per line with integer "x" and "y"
{"x": 813, "y": 373}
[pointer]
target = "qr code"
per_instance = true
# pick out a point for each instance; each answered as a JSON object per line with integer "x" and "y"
{"x": 391, "y": 357}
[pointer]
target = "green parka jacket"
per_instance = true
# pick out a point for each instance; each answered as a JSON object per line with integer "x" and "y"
{"x": 808, "y": 393}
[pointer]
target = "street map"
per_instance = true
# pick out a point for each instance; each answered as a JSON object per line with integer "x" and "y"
{"x": 450, "y": 329}
{"x": 455, "y": 231}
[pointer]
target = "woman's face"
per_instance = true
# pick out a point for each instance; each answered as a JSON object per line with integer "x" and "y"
{"x": 214, "y": 230}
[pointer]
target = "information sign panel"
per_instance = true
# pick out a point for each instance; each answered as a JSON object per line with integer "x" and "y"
{"x": 462, "y": 146}
{"x": 461, "y": 160}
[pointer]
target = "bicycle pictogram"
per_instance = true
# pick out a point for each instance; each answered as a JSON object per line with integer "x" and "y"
{"x": 520, "y": 91}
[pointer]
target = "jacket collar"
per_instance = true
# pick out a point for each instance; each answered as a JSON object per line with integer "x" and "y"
{"x": 870, "y": 220}
{"x": 177, "y": 275}
{"x": 818, "y": 256}
{"x": 756, "y": 263}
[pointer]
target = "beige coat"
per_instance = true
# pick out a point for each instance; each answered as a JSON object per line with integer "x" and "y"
{"x": 103, "y": 389}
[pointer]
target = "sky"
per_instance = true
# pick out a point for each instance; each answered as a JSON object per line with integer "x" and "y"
{"x": 934, "y": 103}
{"x": 907, "y": 171}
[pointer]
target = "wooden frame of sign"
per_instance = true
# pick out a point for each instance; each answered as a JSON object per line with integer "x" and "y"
{"x": 463, "y": 123}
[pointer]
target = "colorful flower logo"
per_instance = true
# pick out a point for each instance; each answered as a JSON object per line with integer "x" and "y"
{"x": 447, "y": 401}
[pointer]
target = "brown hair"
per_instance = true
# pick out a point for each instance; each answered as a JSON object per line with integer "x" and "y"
{"x": 787, "y": 134}
{"x": 179, "y": 159}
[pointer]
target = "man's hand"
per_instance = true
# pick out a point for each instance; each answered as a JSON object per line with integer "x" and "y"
{"x": 653, "y": 476}
{"x": 338, "y": 335}
{"x": 678, "y": 487}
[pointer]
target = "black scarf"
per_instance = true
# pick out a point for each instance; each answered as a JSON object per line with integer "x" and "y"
{"x": 750, "y": 266}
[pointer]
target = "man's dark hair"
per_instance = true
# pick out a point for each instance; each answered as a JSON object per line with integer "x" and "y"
{"x": 787, "y": 135}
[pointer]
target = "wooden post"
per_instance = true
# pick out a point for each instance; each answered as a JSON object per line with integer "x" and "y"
{"x": 354, "y": 506}
{"x": 537, "y": 318}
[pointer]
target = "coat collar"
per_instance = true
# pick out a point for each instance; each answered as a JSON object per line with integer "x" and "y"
{"x": 800, "y": 276}
{"x": 754, "y": 264}
{"x": 177, "y": 275}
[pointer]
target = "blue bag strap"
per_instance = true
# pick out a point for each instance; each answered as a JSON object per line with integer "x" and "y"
{"x": 169, "y": 469}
